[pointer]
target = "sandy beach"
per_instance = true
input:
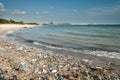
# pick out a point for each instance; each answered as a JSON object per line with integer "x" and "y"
{"x": 4, "y": 28}
{"x": 22, "y": 62}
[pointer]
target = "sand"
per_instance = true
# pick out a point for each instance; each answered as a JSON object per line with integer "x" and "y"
{"x": 22, "y": 62}
{"x": 4, "y": 28}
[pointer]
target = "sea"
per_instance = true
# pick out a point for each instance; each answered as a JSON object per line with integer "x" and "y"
{"x": 98, "y": 40}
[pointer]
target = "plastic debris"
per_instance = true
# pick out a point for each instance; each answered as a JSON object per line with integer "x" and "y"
{"x": 46, "y": 78}
{"x": 36, "y": 64}
{"x": 24, "y": 65}
{"x": 60, "y": 77}
{"x": 54, "y": 71}
{"x": 1, "y": 71}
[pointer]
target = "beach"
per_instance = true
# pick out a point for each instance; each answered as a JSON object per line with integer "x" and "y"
{"x": 4, "y": 28}
{"x": 22, "y": 62}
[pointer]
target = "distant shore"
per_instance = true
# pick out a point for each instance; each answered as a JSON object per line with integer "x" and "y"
{"x": 4, "y": 28}
{"x": 23, "y": 62}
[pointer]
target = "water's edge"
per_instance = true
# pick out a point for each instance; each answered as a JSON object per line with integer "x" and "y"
{"x": 68, "y": 51}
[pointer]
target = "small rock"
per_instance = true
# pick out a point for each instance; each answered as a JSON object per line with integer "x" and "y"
{"x": 60, "y": 66}
{"x": 1, "y": 71}
{"x": 75, "y": 68}
{"x": 10, "y": 47}
{"x": 60, "y": 77}
{"x": 99, "y": 67}
{"x": 34, "y": 60}
{"x": 20, "y": 48}
{"x": 44, "y": 71}
{"x": 110, "y": 69}
{"x": 17, "y": 69}
{"x": 14, "y": 77}
{"x": 46, "y": 78}
{"x": 66, "y": 75}
{"x": 96, "y": 77}
{"x": 54, "y": 71}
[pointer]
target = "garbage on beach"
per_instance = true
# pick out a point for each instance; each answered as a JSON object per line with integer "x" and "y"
{"x": 23, "y": 65}
{"x": 1, "y": 71}
{"x": 54, "y": 71}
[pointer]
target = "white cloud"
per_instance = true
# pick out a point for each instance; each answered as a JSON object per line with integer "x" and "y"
{"x": 18, "y": 12}
{"x": 2, "y": 7}
{"x": 42, "y": 12}
{"x": 39, "y": 17}
{"x": 37, "y": 13}
{"x": 45, "y": 12}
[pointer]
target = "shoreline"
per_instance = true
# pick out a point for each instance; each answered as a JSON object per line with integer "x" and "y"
{"x": 4, "y": 28}
{"x": 24, "y": 62}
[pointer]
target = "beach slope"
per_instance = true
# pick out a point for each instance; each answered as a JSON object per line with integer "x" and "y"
{"x": 21, "y": 62}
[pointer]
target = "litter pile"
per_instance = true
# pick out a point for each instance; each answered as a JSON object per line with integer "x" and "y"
{"x": 19, "y": 62}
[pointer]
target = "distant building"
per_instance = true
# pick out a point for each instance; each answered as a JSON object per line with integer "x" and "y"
{"x": 51, "y": 22}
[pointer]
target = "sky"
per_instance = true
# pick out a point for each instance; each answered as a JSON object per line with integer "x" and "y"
{"x": 61, "y": 11}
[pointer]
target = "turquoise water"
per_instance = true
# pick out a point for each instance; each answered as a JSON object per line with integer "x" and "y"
{"x": 99, "y": 37}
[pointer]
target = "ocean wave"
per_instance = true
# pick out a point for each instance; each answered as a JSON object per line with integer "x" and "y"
{"x": 92, "y": 35}
{"x": 100, "y": 41}
{"x": 96, "y": 53}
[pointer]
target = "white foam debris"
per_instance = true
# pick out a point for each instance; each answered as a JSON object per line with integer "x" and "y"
{"x": 36, "y": 43}
{"x": 97, "y": 53}
{"x": 106, "y": 54}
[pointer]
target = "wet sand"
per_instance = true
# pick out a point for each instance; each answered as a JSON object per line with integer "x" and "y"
{"x": 21, "y": 62}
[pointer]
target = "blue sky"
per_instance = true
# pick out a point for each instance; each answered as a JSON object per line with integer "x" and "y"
{"x": 61, "y": 11}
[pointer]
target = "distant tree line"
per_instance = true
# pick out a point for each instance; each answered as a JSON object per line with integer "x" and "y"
{"x": 4, "y": 21}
